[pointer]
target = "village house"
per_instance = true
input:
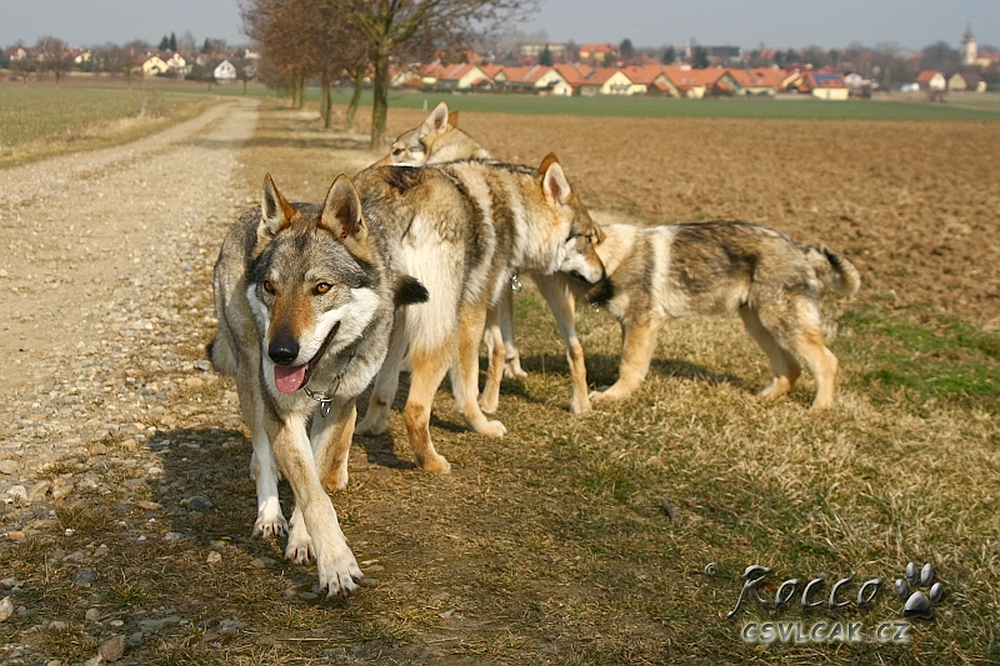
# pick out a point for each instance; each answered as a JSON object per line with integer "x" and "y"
{"x": 761, "y": 81}
{"x": 224, "y": 72}
{"x": 607, "y": 81}
{"x": 154, "y": 65}
{"x": 966, "y": 82}
{"x": 178, "y": 65}
{"x": 693, "y": 83}
{"x": 83, "y": 58}
{"x": 462, "y": 78}
{"x": 931, "y": 79}
{"x": 537, "y": 79}
{"x": 597, "y": 54}
{"x": 827, "y": 85}
{"x": 648, "y": 79}
{"x": 15, "y": 53}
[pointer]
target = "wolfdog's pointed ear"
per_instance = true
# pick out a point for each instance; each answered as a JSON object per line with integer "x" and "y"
{"x": 453, "y": 119}
{"x": 275, "y": 212}
{"x": 437, "y": 122}
{"x": 408, "y": 291}
{"x": 554, "y": 182}
{"x": 341, "y": 216}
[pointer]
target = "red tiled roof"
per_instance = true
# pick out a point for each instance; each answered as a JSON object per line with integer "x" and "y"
{"x": 643, "y": 74}
{"x": 759, "y": 77}
{"x": 600, "y": 75}
{"x": 575, "y": 75}
{"x": 686, "y": 78}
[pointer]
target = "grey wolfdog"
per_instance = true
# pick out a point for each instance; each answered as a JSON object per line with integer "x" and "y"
{"x": 659, "y": 273}
{"x": 306, "y": 298}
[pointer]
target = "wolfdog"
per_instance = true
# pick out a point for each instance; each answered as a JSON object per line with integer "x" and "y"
{"x": 305, "y": 297}
{"x": 438, "y": 140}
{"x": 670, "y": 271}
{"x": 464, "y": 228}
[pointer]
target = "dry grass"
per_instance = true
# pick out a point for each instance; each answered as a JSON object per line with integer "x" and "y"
{"x": 552, "y": 546}
{"x": 83, "y": 118}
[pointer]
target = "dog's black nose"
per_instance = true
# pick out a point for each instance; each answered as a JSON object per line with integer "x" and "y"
{"x": 283, "y": 349}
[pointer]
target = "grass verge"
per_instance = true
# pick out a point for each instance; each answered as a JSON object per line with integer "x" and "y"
{"x": 83, "y": 118}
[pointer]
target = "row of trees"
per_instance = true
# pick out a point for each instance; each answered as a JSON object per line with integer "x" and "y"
{"x": 329, "y": 40}
{"x": 186, "y": 44}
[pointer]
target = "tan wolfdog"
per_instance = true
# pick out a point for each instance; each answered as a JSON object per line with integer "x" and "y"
{"x": 437, "y": 140}
{"x": 463, "y": 229}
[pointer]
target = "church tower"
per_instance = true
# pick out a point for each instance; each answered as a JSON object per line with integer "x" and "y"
{"x": 970, "y": 50}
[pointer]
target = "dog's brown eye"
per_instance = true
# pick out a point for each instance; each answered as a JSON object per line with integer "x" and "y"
{"x": 268, "y": 287}
{"x": 322, "y": 287}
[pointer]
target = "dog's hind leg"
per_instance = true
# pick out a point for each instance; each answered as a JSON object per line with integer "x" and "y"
{"x": 465, "y": 373}
{"x": 555, "y": 289}
{"x": 331, "y": 442}
{"x": 822, "y": 362}
{"x": 785, "y": 370}
{"x": 512, "y": 357}
{"x": 383, "y": 394}
{"x": 427, "y": 368}
{"x": 497, "y": 353}
{"x": 638, "y": 345}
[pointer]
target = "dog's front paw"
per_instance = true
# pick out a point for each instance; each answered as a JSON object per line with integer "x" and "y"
{"x": 434, "y": 463}
{"x": 579, "y": 406}
{"x": 270, "y": 524}
{"x": 511, "y": 371}
{"x": 373, "y": 424}
{"x": 336, "y": 479}
{"x": 597, "y": 397}
{"x": 299, "y": 548}
{"x": 494, "y": 429}
{"x": 489, "y": 405}
{"x": 339, "y": 573}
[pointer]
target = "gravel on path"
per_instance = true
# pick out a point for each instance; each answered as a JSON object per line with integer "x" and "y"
{"x": 105, "y": 258}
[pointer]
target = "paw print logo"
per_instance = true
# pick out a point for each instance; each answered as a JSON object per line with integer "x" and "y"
{"x": 919, "y": 605}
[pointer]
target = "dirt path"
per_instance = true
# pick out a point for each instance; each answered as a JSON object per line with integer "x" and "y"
{"x": 98, "y": 248}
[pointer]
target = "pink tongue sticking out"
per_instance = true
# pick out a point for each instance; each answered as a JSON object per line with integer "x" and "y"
{"x": 289, "y": 379}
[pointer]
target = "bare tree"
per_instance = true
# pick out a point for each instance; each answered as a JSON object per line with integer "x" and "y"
{"x": 54, "y": 56}
{"x": 309, "y": 39}
{"x": 285, "y": 29}
{"x": 389, "y": 26}
{"x": 23, "y": 68}
{"x": 118, "y": 59}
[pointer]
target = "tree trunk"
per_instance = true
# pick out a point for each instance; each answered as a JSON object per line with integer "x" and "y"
{"x": 380, "y": 103}
{"x": 302, "y": 89}
{"x": 325, "y": 102}
{"x": 352, "y": 106}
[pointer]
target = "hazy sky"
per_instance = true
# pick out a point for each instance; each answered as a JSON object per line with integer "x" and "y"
{"x": 784, "y": 24}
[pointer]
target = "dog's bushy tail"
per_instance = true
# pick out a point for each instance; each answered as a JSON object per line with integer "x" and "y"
{"x": 836, "y": 272}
